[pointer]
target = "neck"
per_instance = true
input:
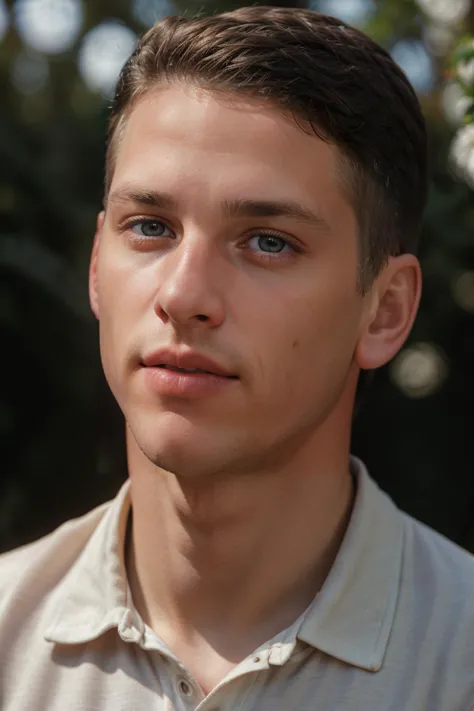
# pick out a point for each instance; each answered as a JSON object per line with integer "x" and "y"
{"x": 234, "y": 561}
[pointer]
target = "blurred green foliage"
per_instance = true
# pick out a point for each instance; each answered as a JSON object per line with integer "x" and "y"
{"x": 62, "y": 448}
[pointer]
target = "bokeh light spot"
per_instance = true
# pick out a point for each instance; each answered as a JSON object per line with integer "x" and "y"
{"x": 419, "y": 370}
{"x": 447, "y": 12}
{"x": 463, "y": 291}
{"x": 4, "y": 19}
{"x": 461, "y": 154}
{"x": 354, "y": 12}
{"x": 412, "y": 57}
{"x": 438, "y": 38}
{"x": 50, "y": 26}
{"x": 149, "y": 11}
{"x": 455, "y": 103}
{"x": 103, "y": 52}
{"x": 29, "y": 72}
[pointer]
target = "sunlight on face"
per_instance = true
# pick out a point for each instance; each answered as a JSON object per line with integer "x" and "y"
{"x": 226, "y": 233}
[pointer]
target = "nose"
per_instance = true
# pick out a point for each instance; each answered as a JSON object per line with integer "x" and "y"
{"x": 190, "y": 289}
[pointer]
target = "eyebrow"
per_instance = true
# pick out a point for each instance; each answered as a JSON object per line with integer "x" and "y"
{"x": 275, "y": 208}
{"x": 231, "y": 208}
{"x": 149, "y": 198}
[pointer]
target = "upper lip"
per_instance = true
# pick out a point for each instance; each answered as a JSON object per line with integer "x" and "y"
{"x": 188, "y": 359}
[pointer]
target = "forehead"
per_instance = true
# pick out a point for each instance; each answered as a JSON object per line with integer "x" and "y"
{"x": 192, "y": 139}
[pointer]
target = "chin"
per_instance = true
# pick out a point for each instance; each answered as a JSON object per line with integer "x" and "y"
{"x": 182, "y": 447}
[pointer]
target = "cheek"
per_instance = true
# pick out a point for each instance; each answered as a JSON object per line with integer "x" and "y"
{"x": 123, "y": 293}
{"x": 308, "y": 338}
{"x": 124, "y": 288}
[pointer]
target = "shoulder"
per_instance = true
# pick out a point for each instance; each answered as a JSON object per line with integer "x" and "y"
{"x": 31, "y": 579}
{"x": 433, "y": 628}
{"x": 437, "y": 558}
{"x": 437, "y": 596}
{"x": 29, "y": 573}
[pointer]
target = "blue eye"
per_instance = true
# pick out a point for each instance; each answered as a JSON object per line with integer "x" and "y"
{"x": 149, "y": 228}
{"x": 270, "y": 244}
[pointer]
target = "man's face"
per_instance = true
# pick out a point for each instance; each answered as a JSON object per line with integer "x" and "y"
{"x": 226, "y": 235}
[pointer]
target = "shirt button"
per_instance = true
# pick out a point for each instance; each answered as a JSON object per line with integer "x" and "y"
{"x": 184, "y": 688}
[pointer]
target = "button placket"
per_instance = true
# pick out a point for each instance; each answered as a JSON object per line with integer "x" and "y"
{"x": 251, "y": 665}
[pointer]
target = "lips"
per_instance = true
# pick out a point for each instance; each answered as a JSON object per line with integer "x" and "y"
{"x": 185, "y": 362}
{"x": 178, "y": 375}
{"x": 185, "y": 370}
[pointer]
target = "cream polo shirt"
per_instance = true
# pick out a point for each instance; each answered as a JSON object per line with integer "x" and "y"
{"x": 392, "y": 629}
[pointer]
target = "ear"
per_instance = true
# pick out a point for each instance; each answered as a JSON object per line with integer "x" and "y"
{"x": 392, "y": 305}
{"x": 93, "y": 280}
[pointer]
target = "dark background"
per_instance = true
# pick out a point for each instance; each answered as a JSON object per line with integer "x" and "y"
{"x": 61, "y": 434}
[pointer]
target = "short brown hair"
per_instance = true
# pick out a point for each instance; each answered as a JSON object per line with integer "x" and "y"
{"x": 333, "y": 79}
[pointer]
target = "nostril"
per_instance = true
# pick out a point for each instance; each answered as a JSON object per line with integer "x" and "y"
{"x": 202, "y": 317}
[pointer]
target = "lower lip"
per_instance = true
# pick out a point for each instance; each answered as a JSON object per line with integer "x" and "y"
{"x": 172, "y": 383}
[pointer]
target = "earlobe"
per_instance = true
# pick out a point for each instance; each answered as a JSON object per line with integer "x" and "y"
{"x": 93, "y": 279}
{"x": 393, "y": 307}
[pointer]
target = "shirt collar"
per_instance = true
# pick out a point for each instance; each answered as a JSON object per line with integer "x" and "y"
{"x": 94, "y": 595}
{"x": 350, "y": 618}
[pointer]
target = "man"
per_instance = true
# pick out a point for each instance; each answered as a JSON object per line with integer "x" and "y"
{"x": 265, "y": 183}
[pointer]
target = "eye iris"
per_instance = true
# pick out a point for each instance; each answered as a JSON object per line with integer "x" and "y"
{"x": 152, "y": 229}
{"x": 270, "y": 243}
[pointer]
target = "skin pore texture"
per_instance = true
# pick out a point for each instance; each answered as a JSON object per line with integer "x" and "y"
{"x": 227, "y": 232}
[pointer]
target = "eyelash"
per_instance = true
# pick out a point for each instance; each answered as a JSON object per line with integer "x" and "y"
{"x": 269, "y": 256}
